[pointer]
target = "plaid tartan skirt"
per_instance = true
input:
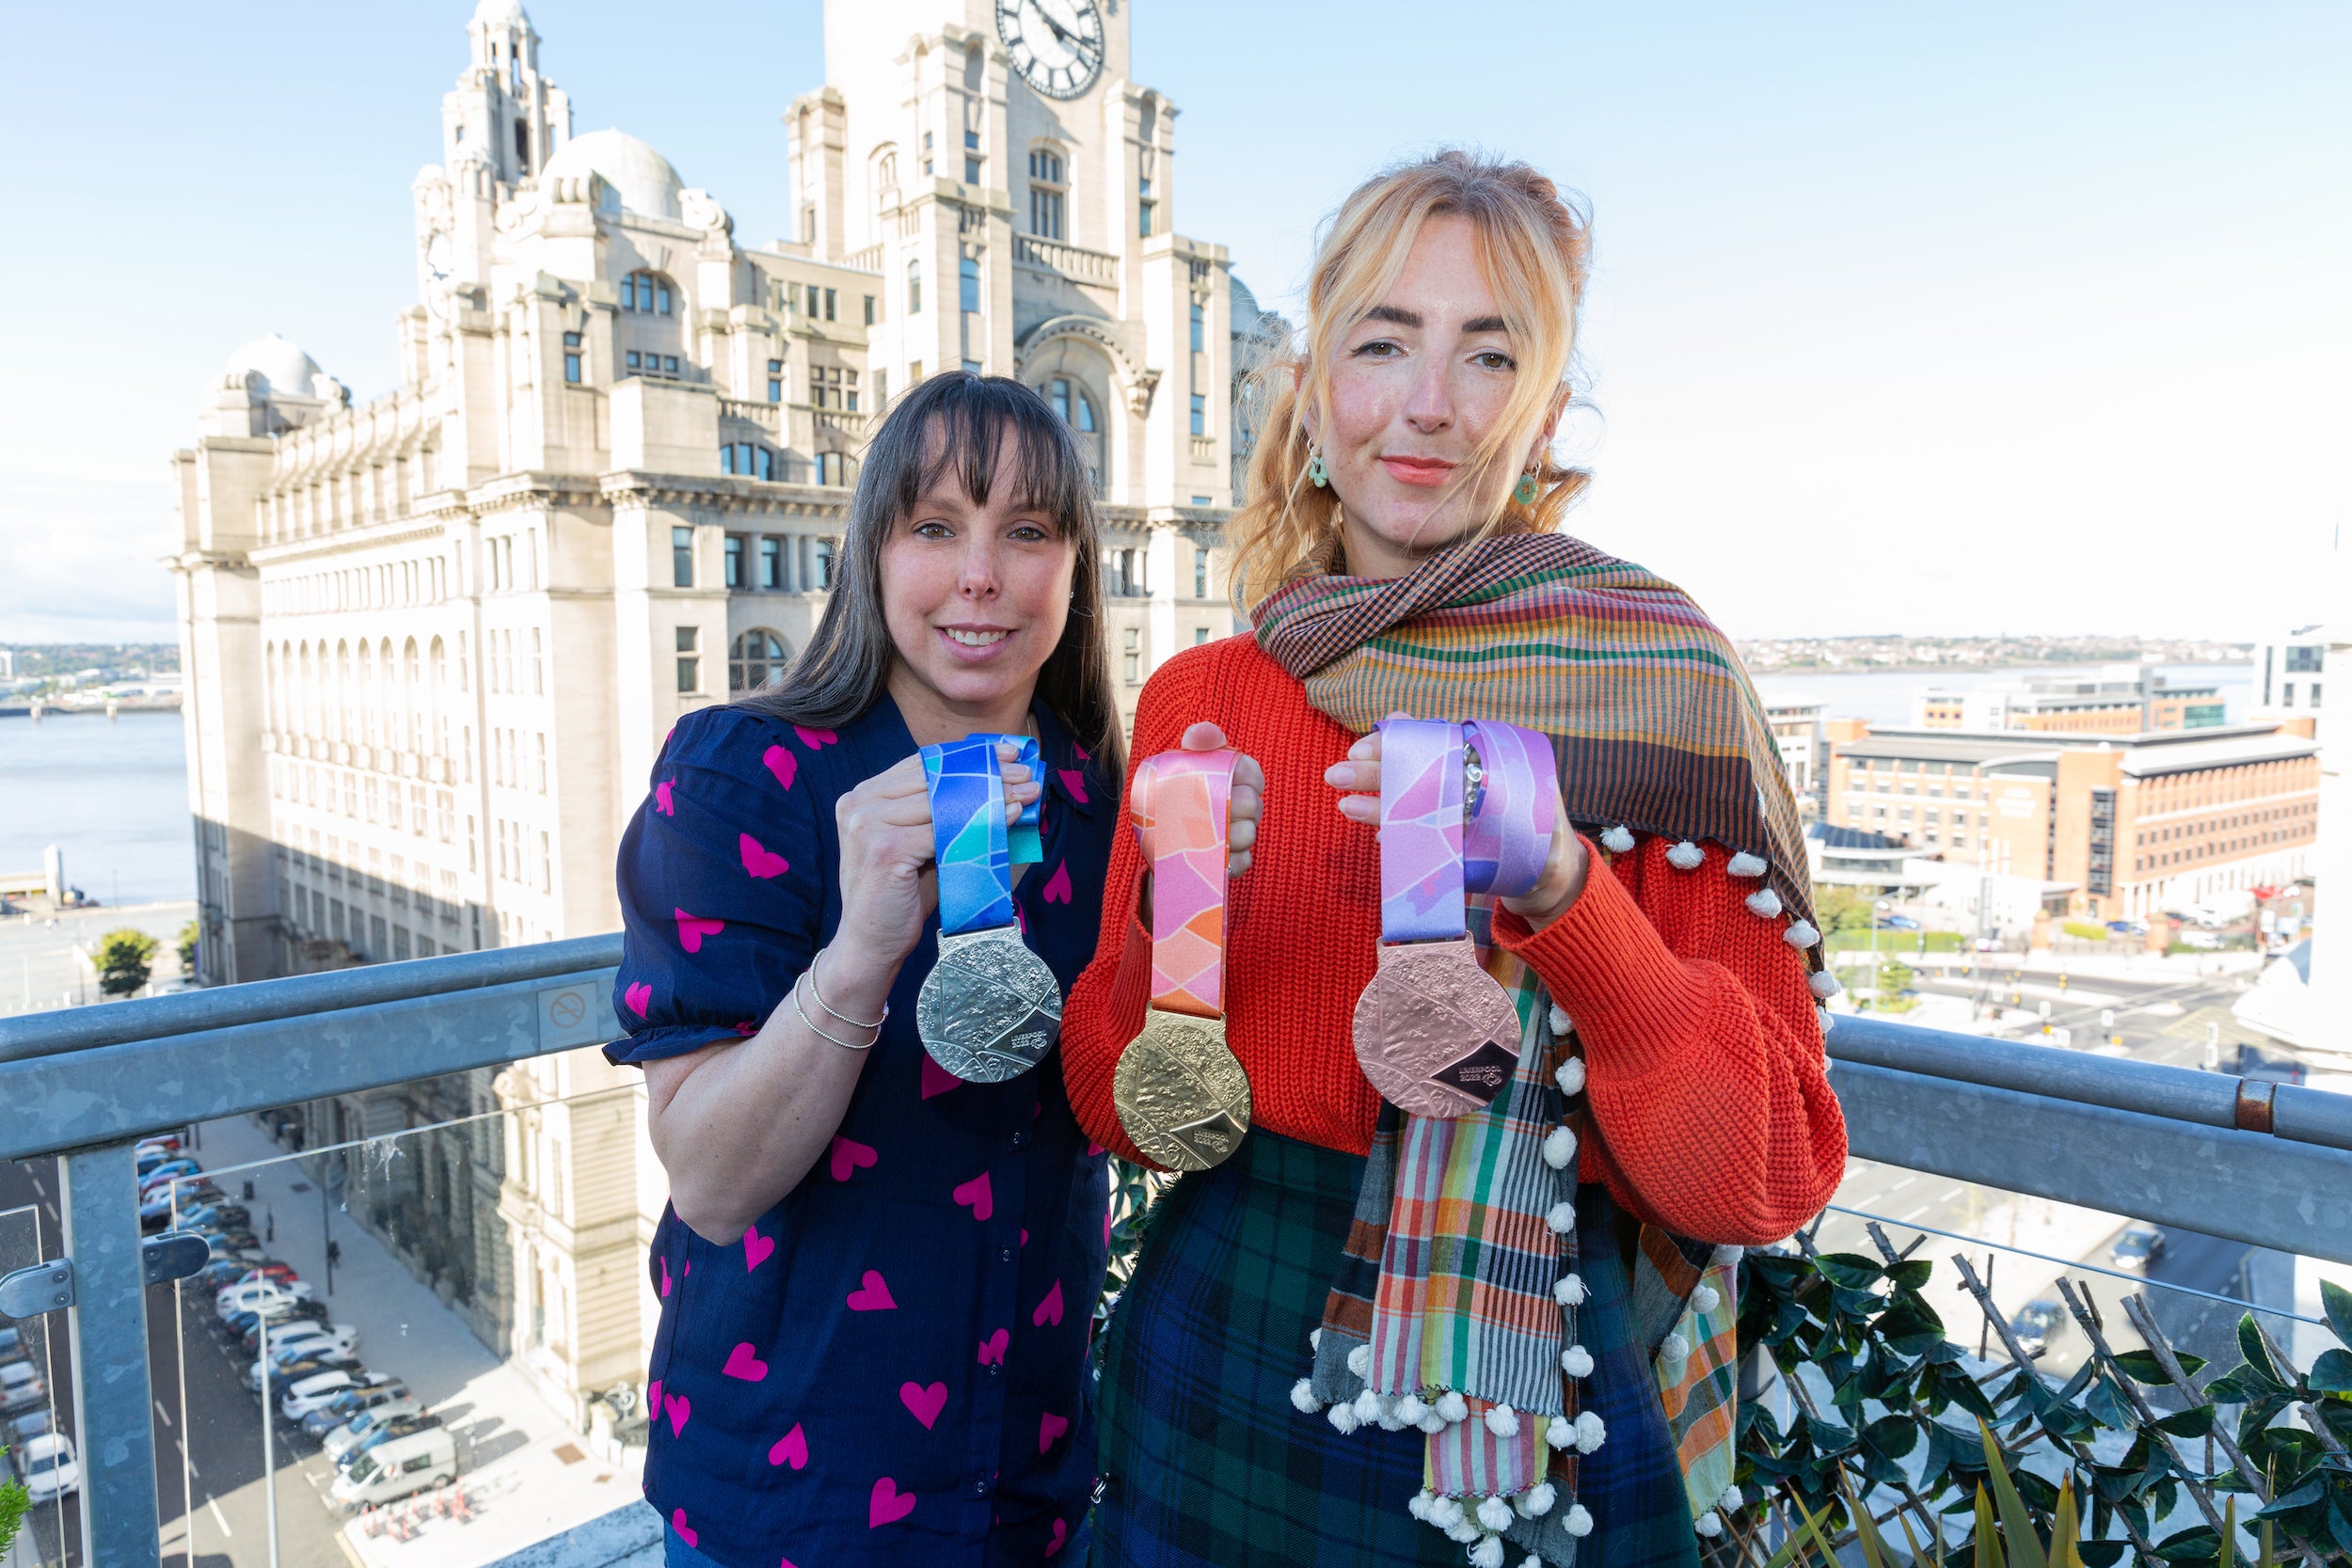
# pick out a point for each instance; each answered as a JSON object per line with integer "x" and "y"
{"x": 1205, "y": 1462}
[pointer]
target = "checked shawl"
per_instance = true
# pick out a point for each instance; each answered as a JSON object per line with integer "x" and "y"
{"x": 1649, "y": 710}
{"x": 1458, "y": 1306}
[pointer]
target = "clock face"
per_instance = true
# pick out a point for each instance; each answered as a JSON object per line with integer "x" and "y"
{"x": 1056, "y": 45}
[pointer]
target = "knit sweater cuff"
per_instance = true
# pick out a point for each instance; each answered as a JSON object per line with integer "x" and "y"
{"x": 1605, "y": 964}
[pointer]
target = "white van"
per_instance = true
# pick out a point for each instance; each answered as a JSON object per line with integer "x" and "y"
{"x": 392, "y": 1470}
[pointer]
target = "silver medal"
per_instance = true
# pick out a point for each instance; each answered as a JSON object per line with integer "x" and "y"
{"x": 990, "y": 1009}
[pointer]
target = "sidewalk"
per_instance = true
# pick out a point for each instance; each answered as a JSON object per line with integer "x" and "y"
{"x": 527, "y": 1475}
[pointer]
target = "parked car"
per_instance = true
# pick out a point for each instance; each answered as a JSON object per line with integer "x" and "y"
{"x": 228, "y": 1244}
{"x": 2033, "y": 1323}
{"x": 48, "y": 1466}
{"x": 11, "y": 1341}
{"x": 157, "y": 1209}
{"x": 2139, "y": 1246}
{"x": 285, "y": 1340}
{"x": 281, "y": 1313}
{"x": 21, "y": 1388}
{"x": 374, "y": 1390}
{"x": 346, "y": 1438}
{"x": 247, "y": 1294}
{"x": 167, "y": 1142}
{"x": 1897, "y": 923}
{"x": 324, "y": 1359}
{"x": 256, "y": 1275}
{"x": 2128, "y": 928}
{"x": 20, "y": 1430}
{"x": 315, "y": 1392}
{"x": 215, "y": 1216}
{"x": 395, "y": 1469}
{"x": 390, "y": 1430}
{"x": 169, "y": 1171}
{"x": 225, "y": 1270}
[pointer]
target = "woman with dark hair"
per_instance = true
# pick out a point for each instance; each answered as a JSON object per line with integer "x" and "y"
{"x": 875, "y": 1278}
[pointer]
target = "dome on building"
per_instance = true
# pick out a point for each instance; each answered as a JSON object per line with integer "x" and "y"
{"x": 285, "y": 367}
{"x": 641, "y": 178}
{"x": 502, "y": 13}
{"x": 1244, "y": 303}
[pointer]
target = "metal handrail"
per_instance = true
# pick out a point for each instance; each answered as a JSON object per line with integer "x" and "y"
{"x": 191, "y": 1012}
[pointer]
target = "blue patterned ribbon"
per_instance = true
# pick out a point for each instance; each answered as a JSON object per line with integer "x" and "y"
{"x": 973, "y": 844}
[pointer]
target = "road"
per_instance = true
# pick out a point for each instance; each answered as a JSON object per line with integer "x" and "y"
{"x": 208, "y": 1436}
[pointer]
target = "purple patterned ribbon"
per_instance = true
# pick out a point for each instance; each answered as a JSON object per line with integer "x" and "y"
{"x": 1429, "y": 855}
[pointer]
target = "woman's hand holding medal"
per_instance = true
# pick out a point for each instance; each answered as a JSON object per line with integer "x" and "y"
{"x": 1564, "y": 867}
{"x": 889, "y": 884}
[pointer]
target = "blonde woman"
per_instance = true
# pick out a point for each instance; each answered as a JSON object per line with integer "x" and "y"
{"x": 1372, "y": 1337}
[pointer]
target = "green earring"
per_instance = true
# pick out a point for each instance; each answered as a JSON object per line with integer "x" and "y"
{"x": 1524, "y": 493}
{"x": 1317, "y": 475}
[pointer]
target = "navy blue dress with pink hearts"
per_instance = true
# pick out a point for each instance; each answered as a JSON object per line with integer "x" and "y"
{"x": 891, "y": 1365}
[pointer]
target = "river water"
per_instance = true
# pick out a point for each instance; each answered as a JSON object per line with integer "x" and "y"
{"x": 114, "y": 796}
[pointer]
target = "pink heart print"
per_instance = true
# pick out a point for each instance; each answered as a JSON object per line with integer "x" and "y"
{"x": 977, "y": 1196}
{"x": 760, "y": 861}
{"x": 849, "y": 1156}
{"x": 1049, "y": 1427}
{"x": 814, "y": 739}
{"x": 937, "y": 1079}
{"x": 1075, "y": 782}
{"x": 677, "y": 1407}
{"x": 743, "y": 1363}
{"x": 1058, "y": 885}
{"x": 888, "y": 1505}
{"x": 755, "y": 1248}
{"x": 653, "y": 1401}
{"x": 1048, "y": 1310}
{"x": 791, "y": 1448}
{"x": 1060, "y": 1537}
{"x": 924, "y": 1402}
{"x": 693, "y": 928}
{"x": 992, "y": 1348}
{"x": 661, "y": 800}
{"x": 782, "y": 764}
{"x": 872, "y": 1294}
{"x": 677, "y": 1522}
{"x": 638, "y": 999}
{"x": 665, "y": 1279}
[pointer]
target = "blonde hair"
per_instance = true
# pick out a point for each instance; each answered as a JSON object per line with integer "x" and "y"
{"x": 1534, "y": 246}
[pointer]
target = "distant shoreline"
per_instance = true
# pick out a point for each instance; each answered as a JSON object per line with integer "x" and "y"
{"x": 1780, "y": 670}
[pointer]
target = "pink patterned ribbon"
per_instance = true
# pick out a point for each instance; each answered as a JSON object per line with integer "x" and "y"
{"x": 1179, "y": 806}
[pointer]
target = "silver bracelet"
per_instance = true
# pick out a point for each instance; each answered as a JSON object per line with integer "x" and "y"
{"x": 817, "y": 991}
{"x": 813, "y": 1028}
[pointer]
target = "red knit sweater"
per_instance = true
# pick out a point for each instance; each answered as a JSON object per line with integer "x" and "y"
{"x": 1711, "y": 1115}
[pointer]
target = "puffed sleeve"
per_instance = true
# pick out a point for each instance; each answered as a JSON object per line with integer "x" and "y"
{"x": 722, "y": 877}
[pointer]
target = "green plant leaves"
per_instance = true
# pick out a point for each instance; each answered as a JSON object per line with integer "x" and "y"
{"x": 2332, "y": 1374}
{"x": 2336, "y": 1302}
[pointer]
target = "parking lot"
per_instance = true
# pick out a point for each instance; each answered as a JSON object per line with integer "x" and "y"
{"x": 524, "y": 1474}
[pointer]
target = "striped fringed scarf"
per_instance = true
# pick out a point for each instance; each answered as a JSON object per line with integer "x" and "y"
{"x": 1457, "y": 1307}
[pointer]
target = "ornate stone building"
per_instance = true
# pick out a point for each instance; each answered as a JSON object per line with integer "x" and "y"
{"x": 433, "y": 639}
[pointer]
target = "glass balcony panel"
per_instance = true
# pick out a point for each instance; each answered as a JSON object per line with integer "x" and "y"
{"x": 476, "y": 1259}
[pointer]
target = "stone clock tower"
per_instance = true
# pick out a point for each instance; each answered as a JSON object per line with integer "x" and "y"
{"x": 1014, "y": 188}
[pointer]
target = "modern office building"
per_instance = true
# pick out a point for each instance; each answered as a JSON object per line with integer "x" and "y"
{"x": 2290, "y": 677}
{"x": 2134, "y": 824}
{"x": 1803, "y": 742}
{"x": 2120, "y": 699}
{"x": 434, "y": 638}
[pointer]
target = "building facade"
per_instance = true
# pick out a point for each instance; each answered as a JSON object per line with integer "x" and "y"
{"x": 1801, "y": 740}
{"x": 2290, "y": 677}
{"x": 2133, "y": 826}
{"x": 2124, "y": 699}
{"x": 433, "y": 640}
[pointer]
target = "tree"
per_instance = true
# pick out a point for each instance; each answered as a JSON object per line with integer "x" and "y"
{"x": 1895, "y": 978}
{"x": 1843, "y": 909}
{"x": 124, "y": 959}
{"x": 188, "y": 935}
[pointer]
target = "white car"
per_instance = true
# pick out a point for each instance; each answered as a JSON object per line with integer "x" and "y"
{"x": 308, "y": 1336}
{"x": 48, "y": 1466}
{"x": 313, "y": 1393}
{"x": 258, "y": 1295}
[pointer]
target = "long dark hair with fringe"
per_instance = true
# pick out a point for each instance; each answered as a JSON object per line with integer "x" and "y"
{"x": 986, "y": 430}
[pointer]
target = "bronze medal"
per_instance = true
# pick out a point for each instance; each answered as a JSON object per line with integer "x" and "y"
{"x": 1436, "y": 1034}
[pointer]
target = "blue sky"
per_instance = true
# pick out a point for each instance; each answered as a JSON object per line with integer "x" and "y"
{"x": 1952, "y": 319}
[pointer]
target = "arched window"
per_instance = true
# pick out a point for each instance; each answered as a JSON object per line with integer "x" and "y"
{"x": 915, "y": 287}
{"x": 757, "y": 658}
{"x": 413, "y": 690}
{"x": 1049, "y": 193}
{"x": 646, "y": 293}
{"x": 1072, "y": 403}
{"x": 438, "y": 731}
